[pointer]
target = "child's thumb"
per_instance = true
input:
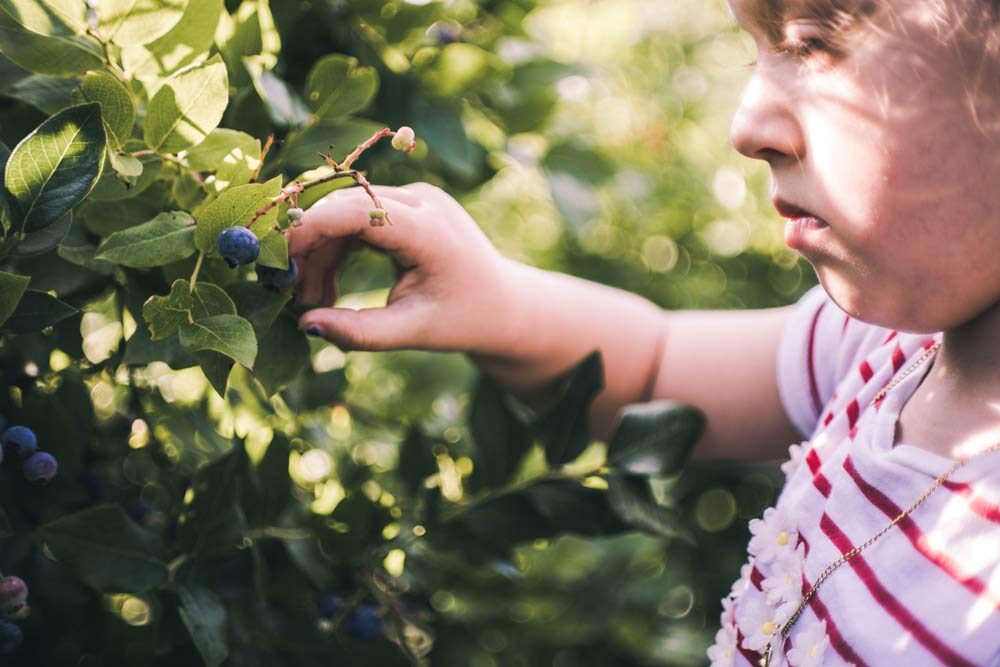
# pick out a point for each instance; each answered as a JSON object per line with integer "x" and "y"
{"x": 369, "y": 329}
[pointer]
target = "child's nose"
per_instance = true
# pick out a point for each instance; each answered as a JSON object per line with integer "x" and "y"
{"x": 765, "y": 126}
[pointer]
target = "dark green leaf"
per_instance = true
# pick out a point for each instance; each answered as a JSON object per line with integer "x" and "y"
{"x": 632, "y": 499}
{"x": 284, "y": 353}
{"x": 37, "y": 243}
{"x": 48, "y": 94}
{"x": 56, "y": 55}
{"x": 257, "y": 305}
{"x": 106, "y": 549}
{"x": 213, "y": 522}
{"x": 502, "y": 438}
{"x": 204, "y": 615}
{"x": 12, "y": 287}
{"x": 564, "y": 429}
{"x": 36, "y": 311}
{"x": 117, "y": 107}
{"x": 167, "y": 238}
{"x": 229, "y": 334}
{"x": 655, "y": 438}
{"x": 416, "y": 460}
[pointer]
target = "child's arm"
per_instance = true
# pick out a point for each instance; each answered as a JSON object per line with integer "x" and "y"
{"x": 526, "y": 327}
{"x": 722, "y": 362}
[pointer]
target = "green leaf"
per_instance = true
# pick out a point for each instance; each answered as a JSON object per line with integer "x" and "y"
{"x": 273, "y": 250}
{"x": 187, "y": 107}
{"x": 213, "y": 523}
{"x": 284, "y": 353}
{"x": 249, "y": 32}
{"x": 416, "y": 460}
{"x": 165, "y": 314}
{"x": 564, "y": 429}
{"x": 229, "y": 334}
{"x": 191, "y": 38}
{"x": 126, "y": 165}
{"x": 210, "y": 300}
{"x": 257, "y": 305}
{"x": 632, "y": 499}
{"x": 106, "y": 549}
{"x": 36, "y": 243}
{"x": 57, "y": 55}
{"x": 35, "y": 311}
{"x": 501, "y": 438}
{"x": 52, "y": 169}
{"x": 457, "y": 69}
{"x": 112, "y": 187}
{"x": 83, "y": 254}
{"x": 12, "y": 287}
{"x": 131, "y": 22}
{"x": 167, "y": 238}
{"x": 337, "y": 86}
{"x": 655, "y": 438}
{"x": 117, "y": 107}
{"x": 204, "y": 616}
{"x": 48, "y": 94}
{"x": 282, "y": 103}
{"x": 232, "y": 156}
{"x": 236, "y": 206}
{"x": 216, "y": 368}
{"x": 48, "y": 17}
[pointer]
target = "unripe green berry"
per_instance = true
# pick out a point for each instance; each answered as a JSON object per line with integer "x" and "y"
{"x": 404, "y": 138}
{"x": 295, "y": 214}
{"x": 377, "y": 217}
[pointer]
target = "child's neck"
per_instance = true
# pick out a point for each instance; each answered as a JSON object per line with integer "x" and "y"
{"x": 968, "y": 363}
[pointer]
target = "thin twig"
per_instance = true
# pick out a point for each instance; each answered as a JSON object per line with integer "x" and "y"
{"x": 263, "y": 155}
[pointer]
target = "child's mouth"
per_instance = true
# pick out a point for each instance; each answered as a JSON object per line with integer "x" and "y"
{"x": 800, "y": 231}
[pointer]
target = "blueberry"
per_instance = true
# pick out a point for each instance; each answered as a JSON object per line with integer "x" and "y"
{"x": 13, "y": 595}
{"x": 40, "y": 468}
{"x": 364, "y": 623}
{"x": 10, "y": 637}
{"x": 238, "y": 245}
{"x": 277, "y": 279}
{"x": 19, "y": 440}
{"x": 329, "y": 604}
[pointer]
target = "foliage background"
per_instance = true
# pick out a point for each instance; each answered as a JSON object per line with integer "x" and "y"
{"x": 599, "y": 148}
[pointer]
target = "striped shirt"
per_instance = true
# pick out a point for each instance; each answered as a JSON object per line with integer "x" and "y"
{"x": 928, "y": 591}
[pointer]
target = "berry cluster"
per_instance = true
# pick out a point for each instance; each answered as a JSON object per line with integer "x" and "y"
{"x": 20, "y": 441}
{"x": 363, "y": 622}
{"x": 13, "y": 605}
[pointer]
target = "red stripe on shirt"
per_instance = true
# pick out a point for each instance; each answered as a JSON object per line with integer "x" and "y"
{"x": 820, "y": 481}
{"x": 812, "y": 460}
{"x": 751, "y": 656}
{"x": 813, "y": 389}
{"x": 853, "y": 410}
{"x": 866, "y": 371}
{"x": 898, "y": 358}
{"x": 889, "y": 602}
{"x": 890, "y": 337}
{"x": 918, "y": 538}
{"x": 981, "y": 506}
{"x": 757, "y": 578}
{"x": 837, "y": 640}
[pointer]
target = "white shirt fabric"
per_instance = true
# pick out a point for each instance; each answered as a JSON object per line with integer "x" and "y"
{"x": 928, "y": 591}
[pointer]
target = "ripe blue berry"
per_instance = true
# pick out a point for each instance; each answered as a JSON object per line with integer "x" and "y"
{"x": 13, "y": 595}
{"x": 364, "y": 623}
{"x": 40, "y": 468}
{"x": 277, "y": 279}
{"x": 10, "y": 637}
{"x": 19, "y": 440}
{"x": 238, "y": 245}
{"x": 329, "y": 604}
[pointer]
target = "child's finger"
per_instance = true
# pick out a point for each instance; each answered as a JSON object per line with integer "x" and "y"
{"x": 394, "y": 327}
{"x": 314, "y": 271}
{"x": 344, "y": 216}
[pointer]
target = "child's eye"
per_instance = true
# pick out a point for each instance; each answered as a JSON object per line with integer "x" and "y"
{"x": 805, "y": 47}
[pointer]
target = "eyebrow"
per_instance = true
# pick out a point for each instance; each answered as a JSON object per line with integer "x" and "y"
{"x": 770, "y": 16}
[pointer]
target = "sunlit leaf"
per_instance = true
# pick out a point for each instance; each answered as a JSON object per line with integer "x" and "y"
{"x": 187, "y": 107}
{"x": 52, "y": 169}
{"x": 130, "y": 22}
{"x": 230, "y": 335}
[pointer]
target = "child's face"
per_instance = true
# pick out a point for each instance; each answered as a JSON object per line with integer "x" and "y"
{"x": 882, "y": 140}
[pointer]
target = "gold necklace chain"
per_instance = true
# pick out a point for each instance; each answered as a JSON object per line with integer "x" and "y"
{"x": 784, "y": 630}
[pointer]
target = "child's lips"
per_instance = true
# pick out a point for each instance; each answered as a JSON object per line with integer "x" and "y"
{"x": 793, "y": 212}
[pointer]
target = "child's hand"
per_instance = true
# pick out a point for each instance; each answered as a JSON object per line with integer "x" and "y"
{"x": 452, "y": 285}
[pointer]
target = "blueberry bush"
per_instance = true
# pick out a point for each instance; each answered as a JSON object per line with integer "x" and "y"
{"x": 199, "y": 482}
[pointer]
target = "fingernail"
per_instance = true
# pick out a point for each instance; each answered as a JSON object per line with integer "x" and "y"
{"x": 313, "y": 330}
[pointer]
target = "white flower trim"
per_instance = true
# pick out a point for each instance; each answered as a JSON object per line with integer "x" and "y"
{"x": 773, "y": 535}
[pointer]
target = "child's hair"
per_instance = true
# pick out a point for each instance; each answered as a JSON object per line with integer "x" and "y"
{"x": 970, "y": 25}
